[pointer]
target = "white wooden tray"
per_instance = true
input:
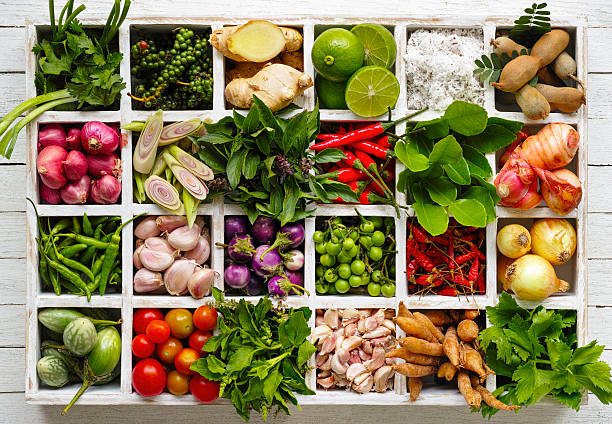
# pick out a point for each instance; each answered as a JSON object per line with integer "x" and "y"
{"x": 121, "y": 392}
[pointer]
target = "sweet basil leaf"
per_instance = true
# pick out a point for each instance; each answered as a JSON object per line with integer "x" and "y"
{"x": 329, "y": 155}
{"x": 250, "y": 165}
{"x": 466, "y": 118}
{"x": 234, "y": 167}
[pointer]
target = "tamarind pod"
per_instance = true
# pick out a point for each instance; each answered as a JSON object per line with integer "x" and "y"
{"x": 518, "y": 72}
{"x": 549, "y": 46}
{"x": 533, "y": 103}
{"x": 565, "y": 99}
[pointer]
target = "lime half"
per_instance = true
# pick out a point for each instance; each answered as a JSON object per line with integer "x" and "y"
{"x": 378, "y": 44}
{"x": 371, "y": 90}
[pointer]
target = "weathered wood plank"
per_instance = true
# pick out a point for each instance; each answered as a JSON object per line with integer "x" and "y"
{"x": 598, "y": 236}
{"x": 12, "y": 87}
{"x": 600, "y": 152}
{"x": 599, "y": 40}
{"x": 13, "y": 282}
{"x": 12, "y": 332}
{"x": 12, "y": 228}
{"x": 598, "y": 325}
{"x": 599, "y": 95}
{"x": 12, "y": 378}
{"x": 599, "y": 188}
{"x": 12, "y": 188}
{"x": 13, "y": 49}
{"x": 598, "y": 282}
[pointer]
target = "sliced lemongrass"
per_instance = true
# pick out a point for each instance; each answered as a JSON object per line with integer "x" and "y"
{"x": 179, "y": 130}
{"x": 159, "y": 166}
{"x": 144, "y": 153}
{"x": 196, "y": 167}
{"x": 189, "y": 181}
{"x": 162, "y": 192}
{"x": 191, "y": 206}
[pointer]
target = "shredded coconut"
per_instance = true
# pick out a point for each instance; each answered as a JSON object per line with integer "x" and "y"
{"x": 440, "y": 65}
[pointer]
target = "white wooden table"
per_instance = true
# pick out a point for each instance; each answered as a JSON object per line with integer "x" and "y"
{"x": 12, "y": 204}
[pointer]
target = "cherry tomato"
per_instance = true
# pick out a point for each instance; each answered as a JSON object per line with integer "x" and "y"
{"x": 184, "y": 359}
{"x": 205, "y": 318}
{"x": 388, "y": 290}
{"x": 142, "y": 318}
{"x": 167, "y": 351}
{"x": 180, "y": 322}
{"x": 158, "y": 331}
{"x": 148, "y": 377}
{"x": 198, "y": 338}
{"x": 204, "y": 390}
{"x": 178, "y": 384}
{"x": 142, "y": 347}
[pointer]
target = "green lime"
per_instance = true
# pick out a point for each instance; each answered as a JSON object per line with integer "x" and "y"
{"x": 330, "y": 93}
{"x": 371, "y": 90}
{"x": 337, "y": 53}
{"x": 378, "y": 44}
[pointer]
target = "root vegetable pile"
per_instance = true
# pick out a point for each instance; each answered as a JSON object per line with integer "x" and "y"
{"x": 351, "y": 346}
{"x": 451, "y": 264}
{"x": 77, "y": 165}
{"x": 356, "y": 255}
{"x": 264, "y": 257}
{"x": 444, "y": 344}
{"x": 170, "y": 245}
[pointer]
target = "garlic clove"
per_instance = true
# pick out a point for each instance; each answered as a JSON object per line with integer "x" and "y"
{"x": 319, "y": 320}
{"x": 201, "y": 281}
{"x": 155, "y": 260}
{"x": 354, "y": 358}
{"x": 327, "y": 382}
{"x": 146, "y": 281}
{"x": 136, "y": 257}
{"x": 320, "y": 359}
{"x": 168, "y": 223}
{"x": 378, "y": 332}
{"x": 355, "y": 370}
{"x": 319, "y": 332}
{"x": 329, "y": 344}
{"x": 365, "y": 385}
{"x": 184, "y": 238}
{"x": 176, "y": 277}
{"x": 378, "y": 359}
{"x": 331, "y": 318}
{"x": 201, "y": 252}
{"x": 350, "y": 313}
{"x": 146, "y": 228}
{"x": 338, "y": 364}
{"x": 382, "y": 377}
{"x": 160, "y": 244}
{"x": 352, "y": 342}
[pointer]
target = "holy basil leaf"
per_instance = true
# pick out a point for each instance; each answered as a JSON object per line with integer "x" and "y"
{"x": 211, "y": 158}
{"x": 469, "y": 212}
{"x": 482, "y": 195}
{"x": 276, "y": 200}
{"x": 434, "y": 129}
{"x": 343, "y": 191}
{"x": 295, "y": 133}
{"x": 513, "y": 126}
{"x": 215, "y": 138}
{"x": 329, "y": 155}
{"x": 266, "y": 117}
{"x": 446, "y": 151}
{"x": 477, "y": 162}
{"x": 409, "y": 155}
{"x": 493, "y": 138}
{"x": 238, "y": 119}
{"x": 433, "y": 218}
{"x": 458, "y": 171}
{"x": 292, "y": 195}
{"x": 234, "y": 167}
{"x": 250, "y": 165}
{"x": 240, "y": 359}
{"x": 466, "y": 118}
{"x": 305, "y": 351}
{"x": 442, "y": 191}
{"x": 294, "y": 330}
{"x": 251, "y": 122}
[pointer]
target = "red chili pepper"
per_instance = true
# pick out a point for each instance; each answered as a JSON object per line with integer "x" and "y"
{"x": 439, "y": 239}
{"x": 411, "y": 287}
{"x": 327, "y": 136}
{"x": 383, "y": 141}
{"x": 373, "y": 149}
{"x": 460, "y": 279}
{"x": 387, "y": 175}
{"x": 424, "y": 280}
{"x": 424, "y": 261}
{"x": 410, "y": 245}
{"x": 473, "y": 274}
{"x": 419, "y": 234}
{"x": 341, "y": 130}
{"x": 360, "y": 134}
{"x": 411, "y": 269}
{"x": 366, "y": 160}
{"x": 451, "y": 251}
{"x": 376, "y": 187}
{"x": 466, "y": 257}
{"x": 481, "y": 255}
{"x": 364, "y": 198}
{"x": 447, "y": 291}
{"x": 345, "y": 175}
{"x": 481, "y": 283}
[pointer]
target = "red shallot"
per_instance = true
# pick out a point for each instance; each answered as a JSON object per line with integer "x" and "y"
{"x": 104, "y": 164}
{"x": 106, "y": 190}
{"x": 561, "y": 189}
{"x": 530, "y": 200}
{"x": 513, "y": 181}
{"x": 97, "y": 137}
{"x": 73, "y": 139}
{"x": 50, "y": 168}
{"x": 170, "y": 223}
{"x": 49, "y": 195}
{"x": 161, "y": 245}
{"x": 52, "y": 135}
{"x": 75, "y": 192}
{"x": 75, "y": 165}
{"x": 184, "y": 238}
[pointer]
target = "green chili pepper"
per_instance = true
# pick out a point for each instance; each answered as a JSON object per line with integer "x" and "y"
{"x": 87, "y": 255}
{"x": 73, "y": 264}
{"x": 90, "y": 241}
{"x": 70, "y": 251}
{"x": 92, "y": 286}
{"x": 97, "y": 220}
{"x": 45, "y": 273}
{"x": 97, "y": 265}
{"x": 111, "y": 254}
{"x": 87, "y": 228}
{"x": 64, "y": 243}
{"x": 76, "y": 225}
{"x": 70, "y": 275}
{"x": 61, "y": 225}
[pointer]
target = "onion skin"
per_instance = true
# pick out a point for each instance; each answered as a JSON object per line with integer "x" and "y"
{"x": 514, "y": 180}
{"x": 531, "y": 277}
{"x": 103, "y": 164}
{"x": 503, "y": 263}
{"x": 147, "y": 228}
{"x": 73, "y": 139}
{"x": 513, "y": 241}
{"x": 97, "y": 137}
{"x": 52, "y": 135}
{"x": 106, "y": 190}
{"x": 529, "y": 201}
{"x": 561, "y": 190}
{"x": 76, "y": 192}
{"x": 554, "y": 239}
{"x": 49, "y": 165}
{"x": 49, "y": 195}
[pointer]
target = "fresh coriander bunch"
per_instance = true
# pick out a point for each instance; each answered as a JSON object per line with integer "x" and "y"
{"x": 536, "y": 351}
{"x": 259, "y": 356}
{"x": 265, "y": 160}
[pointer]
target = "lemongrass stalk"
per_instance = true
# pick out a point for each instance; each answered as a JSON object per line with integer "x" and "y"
{"x": 8, "y": 119}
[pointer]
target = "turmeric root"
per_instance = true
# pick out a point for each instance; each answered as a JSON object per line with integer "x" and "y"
{"x": 471, "y": 360}
{"x": 415, "y": 384}
{"x": 467, "y": 330}
{"x": 247, "y": 69}
{"x": 415, "y": 358}
{"x": 472, "y": 397}
{"x": 293, "y": 59}
{"x": 414, "y": 370}
{"x": 424, "y": 347}
{"x": 437, "y": 317}
{"x": 403, "y": 311}
{"x": 412, "y": 327}
{"x": 447, "y": 370}
{"x": 277, "y": 85}
{"x": 492, "y": 401}
{"x": 451, "y": 346}
{"x": 255, "y": 41}
{"x": 426, "y": 322}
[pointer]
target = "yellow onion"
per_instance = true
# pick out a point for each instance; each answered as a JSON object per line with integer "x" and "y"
{"x": 531, "y": 277}
{"x": 554, "y": 239}
{"x": 503, "y": 262}
{"x": 513, "y": 241}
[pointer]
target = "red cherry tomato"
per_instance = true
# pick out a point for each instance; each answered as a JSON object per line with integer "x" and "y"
{"x": 142, "y": 346}
{"x": 142, "y": 318}
{"x": 158, "y": 331}
{"x": 204, "y": 390}
{"x": 205, "y": 318}
{"x": 167, "y": 351}
{"x": 149, "y": 377}
{"x": 184, "y": 359}
{"x": 198, "y": 338}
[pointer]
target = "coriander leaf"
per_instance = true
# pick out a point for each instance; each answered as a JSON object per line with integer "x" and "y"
{"x": 433, "y": 218}
{"x": 434, "y": 129}
{"x": 596, "y": 378}
{"x": 329, "y": 155}
{"x": 587, "y": 354}
{"x": 499, "y": 366}
{"x": 410, "y": 156}
{"x": 458, "y": 171}
{"x": 466, "y": 118}
{"x": 493, "y": 138}
{"x": 305, "y": 351}
{"x": 442, "y": 191}
{"x": 469, "y": 212}
{"x": 446, "y": 151}
{"x": 497, "y": 336}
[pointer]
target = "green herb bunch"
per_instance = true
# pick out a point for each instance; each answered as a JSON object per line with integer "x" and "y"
{"x": 447, "y": 170}
{"x": 267, "y": 165}
{"x": 260, "y": 355}
{"x": 536, "y": 350}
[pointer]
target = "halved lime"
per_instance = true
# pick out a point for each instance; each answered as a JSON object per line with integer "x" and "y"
{"x": 378, "y": 44}
{"x": 336, "y": 54}
{"x": 330, "y": 93}
{"x": 371, "y": 90}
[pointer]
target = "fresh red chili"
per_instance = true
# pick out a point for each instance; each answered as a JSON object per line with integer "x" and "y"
{"x": 345, "y": 175}
{"x": 424, "y": 261}
{"x": 373, "y": 149}
{"x": 327, "y": 136}
{"x": 374, "y": 186}
{"x": 366, "y": 160}
{"x": 473, "y": 274}
{"x": 383, "y": 141}
{"x": 387, "y": 175}
{"x": 481, "y": 283}
{"x": 465, "y": 257}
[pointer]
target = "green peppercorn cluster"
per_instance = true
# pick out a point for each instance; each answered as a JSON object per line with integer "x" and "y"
{"x": 173, "y": 71}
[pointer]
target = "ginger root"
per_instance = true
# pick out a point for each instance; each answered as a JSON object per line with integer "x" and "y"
{"x": 293, "y": 59}
{"x": 255, "y": 41}
{"x": 247, "y": 69}
{"x": 276, "y": 85}
{"x": 415, "y": 384}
